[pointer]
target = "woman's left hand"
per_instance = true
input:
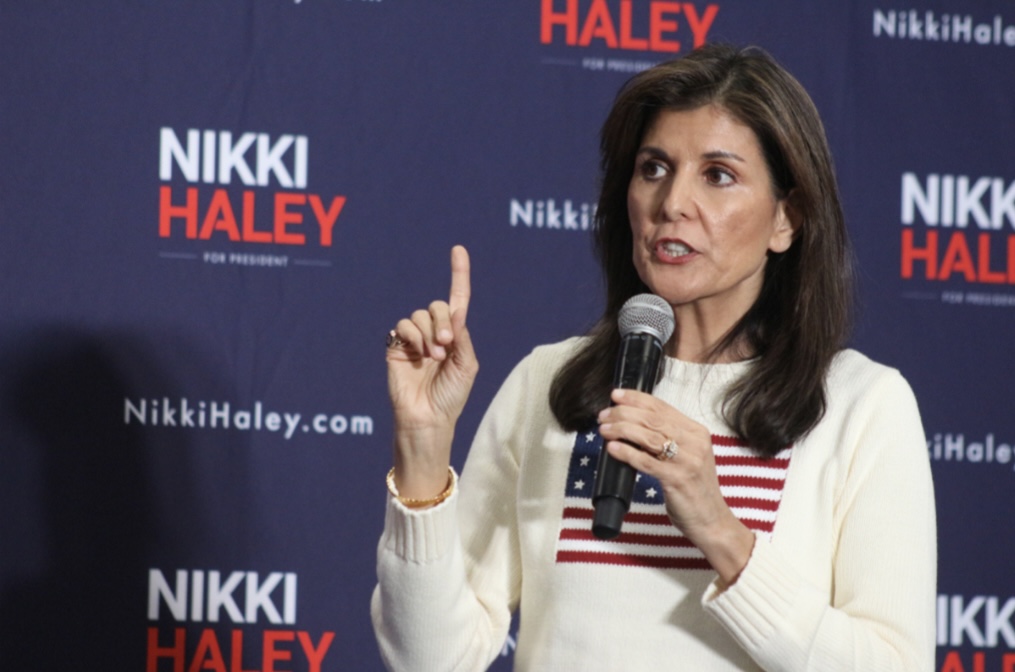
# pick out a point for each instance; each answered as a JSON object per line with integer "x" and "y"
{"x": 636, "y": 431}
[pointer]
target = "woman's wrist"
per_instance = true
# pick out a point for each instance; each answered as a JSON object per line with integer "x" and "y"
{"x": 421, "y": 460}
{"x": 729, "y": 550}
{"x": 421, "y": 503}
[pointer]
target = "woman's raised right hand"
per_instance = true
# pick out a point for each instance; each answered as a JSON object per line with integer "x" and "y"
{"x": 431, "y": 368}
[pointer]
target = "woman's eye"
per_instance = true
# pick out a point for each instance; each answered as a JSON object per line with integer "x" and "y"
{"x": 652, "y": 169}
{"x": 719, "y": 177}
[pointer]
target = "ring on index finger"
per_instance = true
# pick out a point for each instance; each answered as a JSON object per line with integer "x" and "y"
{"x": 669, "y": 451}
{"x": 393, "y": 340}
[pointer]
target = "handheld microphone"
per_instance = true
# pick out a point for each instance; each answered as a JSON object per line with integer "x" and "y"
{"x": 646, "y": 323}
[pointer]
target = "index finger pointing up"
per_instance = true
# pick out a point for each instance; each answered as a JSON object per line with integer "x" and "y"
{"x": 461, "y": 287}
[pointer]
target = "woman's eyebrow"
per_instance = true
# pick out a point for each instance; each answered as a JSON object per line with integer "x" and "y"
{"x": 722, "y": 154}
{"x": 711, "y": 156}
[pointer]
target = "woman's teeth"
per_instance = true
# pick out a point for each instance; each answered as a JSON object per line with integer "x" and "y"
{"x": 675, "y": 249}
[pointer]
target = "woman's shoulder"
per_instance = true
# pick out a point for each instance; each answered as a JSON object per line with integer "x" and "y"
{"x": 543, "y": 362}
{"x": 854, "y": 374}
{"x": 560, "y": 351}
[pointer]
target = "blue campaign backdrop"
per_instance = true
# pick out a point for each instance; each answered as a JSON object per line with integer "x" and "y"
{"x": 212, "y": 212}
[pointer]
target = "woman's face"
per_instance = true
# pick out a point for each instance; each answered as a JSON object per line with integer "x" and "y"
{"x": 703, "y": 212}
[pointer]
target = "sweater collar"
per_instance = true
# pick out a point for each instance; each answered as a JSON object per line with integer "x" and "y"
{"x": 680, "y": 371}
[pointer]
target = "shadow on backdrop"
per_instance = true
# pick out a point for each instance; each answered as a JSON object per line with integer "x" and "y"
{"x": 96, "y": 520}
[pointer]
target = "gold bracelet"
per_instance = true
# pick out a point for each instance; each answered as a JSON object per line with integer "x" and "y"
{"x": 411, "y": 503}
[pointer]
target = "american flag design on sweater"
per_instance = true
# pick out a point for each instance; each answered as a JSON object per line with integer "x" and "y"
{"x": 751, "y": 485}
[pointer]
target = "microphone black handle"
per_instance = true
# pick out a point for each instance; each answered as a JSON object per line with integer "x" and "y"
{"x": 637, "y": 369}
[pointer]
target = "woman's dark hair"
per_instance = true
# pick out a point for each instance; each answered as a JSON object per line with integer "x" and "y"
{"x": 802, "y": 315}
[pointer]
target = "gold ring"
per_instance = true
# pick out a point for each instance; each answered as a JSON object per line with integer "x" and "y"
{"x": 669, "y": 451}
{"x": 393, "y": 340}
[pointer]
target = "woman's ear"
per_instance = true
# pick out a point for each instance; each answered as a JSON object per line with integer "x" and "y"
{"x": 787, "y": 224}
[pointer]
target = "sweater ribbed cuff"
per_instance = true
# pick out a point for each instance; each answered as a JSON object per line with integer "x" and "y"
{"x": 421, "y": 535}
{"x": 758, "y": 603}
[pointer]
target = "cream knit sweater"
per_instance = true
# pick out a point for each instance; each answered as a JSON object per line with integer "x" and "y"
{"x": 842, "y": 576}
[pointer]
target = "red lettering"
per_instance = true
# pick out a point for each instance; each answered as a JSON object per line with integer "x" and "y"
{"x": 1011, "y": 266}
{"x": 659, "y": 25}
{"x": 283, "y": 218}
{"x": 251, "y": 235}
{"x": 1008, "y": 662}
{"x": 700, "y": 26}
{"x": 599, "y": 24}
{"x": 983, "y": 259}
{"x": 911, "y": 253}
{"x": 626, "y": 41}
{"x": 236, "y": 653}
{"x": 326, "y": 220}
{"x": 271, "y": 654}
{"x": 568, "y": 19}
{"x": 952, "y": 663}
{"x": 155, "y": 652}
{"x": 316, "y": 655}
{"x": 978, "y": 662}
{"x": 957, "y": 258}
{"x": 220, "y": 217}
{"x": 168, "y": 211}
{"x": 208, "y": 655}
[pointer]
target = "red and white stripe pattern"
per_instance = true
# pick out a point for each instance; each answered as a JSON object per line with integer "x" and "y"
{"x": 752, "y": 486}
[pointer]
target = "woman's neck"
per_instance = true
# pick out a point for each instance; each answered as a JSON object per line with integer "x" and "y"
{"x": 699, "y": 333}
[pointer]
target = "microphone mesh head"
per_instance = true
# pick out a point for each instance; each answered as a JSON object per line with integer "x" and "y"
{"x": 646, "y": 314}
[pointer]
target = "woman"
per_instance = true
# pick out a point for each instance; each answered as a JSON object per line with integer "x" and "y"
{"x": 784, "y": 517}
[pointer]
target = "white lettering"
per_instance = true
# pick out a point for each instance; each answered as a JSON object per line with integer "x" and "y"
{"x": 547, "y": 214}
{"x": 222, "y": 415}
{"x": 269, "y": 160}
{"x": 220, "y": 412}
{"x": 954, "y": 446}
{"x": 208, "y": 166}
{"x": 170, "y": 149}
{"x": 521, "y": 213}
{"x": 241, "y": 420}
{"x": 999, "y": 622}
{"x": 231, "y": 157}
{"x": 552, "y": 215}
{"x": 959, "y": 622}
{"x": 259, "y": 597}
{"x": 884, "y": 23}
{"x": 967, "y": 201}
{"x": 212, "y": 156}
{"x": 362, "y": 424}
{"x": 289, "y": 599}
{"x": 957, "y": 200}
{"x": 132, "y": 411}
{"x": 962, "y": 28}
{"x": 197, "y": 596}
{"x": 291, "y": 420}
{"x": 924, "y": 200}
{"x": 963, "y": 620}
{"x": 1002, "y": 203}
{"x": 221, "y": 595}
{"x": 175, "y": 600}
{"x": 915, "y": 24}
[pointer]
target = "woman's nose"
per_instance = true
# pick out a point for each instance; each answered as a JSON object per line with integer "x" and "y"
{"x": 677, "y": 198}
